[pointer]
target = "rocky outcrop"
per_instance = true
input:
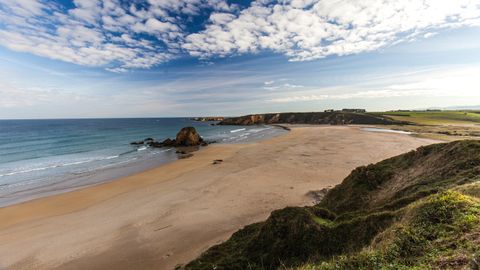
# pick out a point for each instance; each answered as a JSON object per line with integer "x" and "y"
{"x": 186, "y": 137}
{"x": 326, "y": 118}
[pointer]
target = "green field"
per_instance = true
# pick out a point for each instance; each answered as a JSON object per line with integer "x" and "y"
{"x": 435, "y": 117}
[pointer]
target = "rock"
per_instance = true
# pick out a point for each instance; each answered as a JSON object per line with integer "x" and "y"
{"x": 217, "y": 161}
{"x": 188, "y": 136}
{"x": 137, "y": 143}
{"x": 169, "y": 142}
{"x": 155, "y": 144}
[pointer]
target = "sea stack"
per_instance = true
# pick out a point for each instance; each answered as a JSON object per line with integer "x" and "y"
{"x": 188, "y": 136}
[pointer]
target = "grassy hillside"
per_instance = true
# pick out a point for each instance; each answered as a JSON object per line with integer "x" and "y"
{"x": 435, "y": 118}
{"x": 442, "y": 125}
{"x": 419, "y": 210}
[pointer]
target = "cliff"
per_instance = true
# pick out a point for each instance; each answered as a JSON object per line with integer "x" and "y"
{"x": 330, "y": 118}
{"x": 419, "y": 210}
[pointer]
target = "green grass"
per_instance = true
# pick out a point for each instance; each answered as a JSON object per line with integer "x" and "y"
{"x": 434, "y": 233}
{"x": 435, "y": 118}
{"x": 438, "y": 125}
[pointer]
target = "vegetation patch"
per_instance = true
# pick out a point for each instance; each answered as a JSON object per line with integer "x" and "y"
{"x": 433, "y": 234}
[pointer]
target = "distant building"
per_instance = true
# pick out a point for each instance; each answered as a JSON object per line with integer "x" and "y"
{"x": 354, "y": 110}
{"x": 330, "y": 110}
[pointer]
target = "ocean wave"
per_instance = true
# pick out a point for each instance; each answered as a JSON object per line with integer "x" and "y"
{"x": 21, "y": 171}
{"x": 237, "y": 130}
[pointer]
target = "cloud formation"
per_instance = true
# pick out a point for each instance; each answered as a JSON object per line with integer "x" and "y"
{"x": 114, "y": 34}
{"x": 120, "y": 35}
{"x": 312, "y": 29}
{"x": 458, "y": 82}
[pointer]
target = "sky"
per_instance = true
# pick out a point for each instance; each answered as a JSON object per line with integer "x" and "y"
{"x": 164, "y": 58}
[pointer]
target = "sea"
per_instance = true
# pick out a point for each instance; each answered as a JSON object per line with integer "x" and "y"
{"x": 45, "y": 157}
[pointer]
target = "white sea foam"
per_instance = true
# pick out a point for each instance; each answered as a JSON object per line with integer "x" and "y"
{"x": 237, "y": 130}
{"x": 52, "y": 166}
{"x": 386, "y": 130}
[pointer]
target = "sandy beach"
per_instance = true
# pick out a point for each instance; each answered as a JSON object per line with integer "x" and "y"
{"x": 167, "y": 216}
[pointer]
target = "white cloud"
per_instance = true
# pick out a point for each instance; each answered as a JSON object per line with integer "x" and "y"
{"x": 312, "y": 29}
{"x": 458, "y": 82}
{"x": 111, "y": 34}
{"x": 16, "y": 97}
{"x": 117, "y": 35}
{"x": 272, "y": 85}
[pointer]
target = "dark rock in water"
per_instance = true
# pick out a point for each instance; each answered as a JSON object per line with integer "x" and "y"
{"x": 137, "y": 143}
{"x": 188, "y": 136}
{"x": 183, "y": 152}
{"x": 169, "y": 142}
{"x": 155, "y": 144}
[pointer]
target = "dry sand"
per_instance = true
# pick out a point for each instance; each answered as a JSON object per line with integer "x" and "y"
{"x": 169, "y": 215}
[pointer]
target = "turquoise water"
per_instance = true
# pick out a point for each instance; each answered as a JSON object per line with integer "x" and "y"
{"x": 41, "y": 157}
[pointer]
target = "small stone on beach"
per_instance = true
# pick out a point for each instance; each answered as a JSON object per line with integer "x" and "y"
{"x": 217, "y": 161}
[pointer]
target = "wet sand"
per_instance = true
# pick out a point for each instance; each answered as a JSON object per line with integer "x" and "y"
{"x": 168, "y": 215}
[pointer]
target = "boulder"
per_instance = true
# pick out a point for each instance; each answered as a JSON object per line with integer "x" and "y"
{"x": 188, "y": 136}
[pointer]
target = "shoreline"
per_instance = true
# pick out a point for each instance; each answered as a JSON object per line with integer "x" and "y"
{"x": 73, "y": 181}
{"x": 169, "y": 214}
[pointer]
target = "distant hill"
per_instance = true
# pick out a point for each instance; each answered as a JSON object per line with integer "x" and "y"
{"x": 459, "y": 108}
{"x": 419, "y": 210}
{"x": 330, "y": 118}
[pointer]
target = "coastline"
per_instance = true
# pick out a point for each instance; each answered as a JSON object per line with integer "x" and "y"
{"x": 144, "y": 159}
{"x": 168, "y": 215}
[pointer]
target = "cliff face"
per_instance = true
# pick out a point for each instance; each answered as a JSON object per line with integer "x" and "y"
{"x": 419, "y": 210}
{"x": 329, "y": 118}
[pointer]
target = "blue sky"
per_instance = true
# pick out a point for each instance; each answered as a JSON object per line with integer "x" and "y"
{"x": 94, "y": 58}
